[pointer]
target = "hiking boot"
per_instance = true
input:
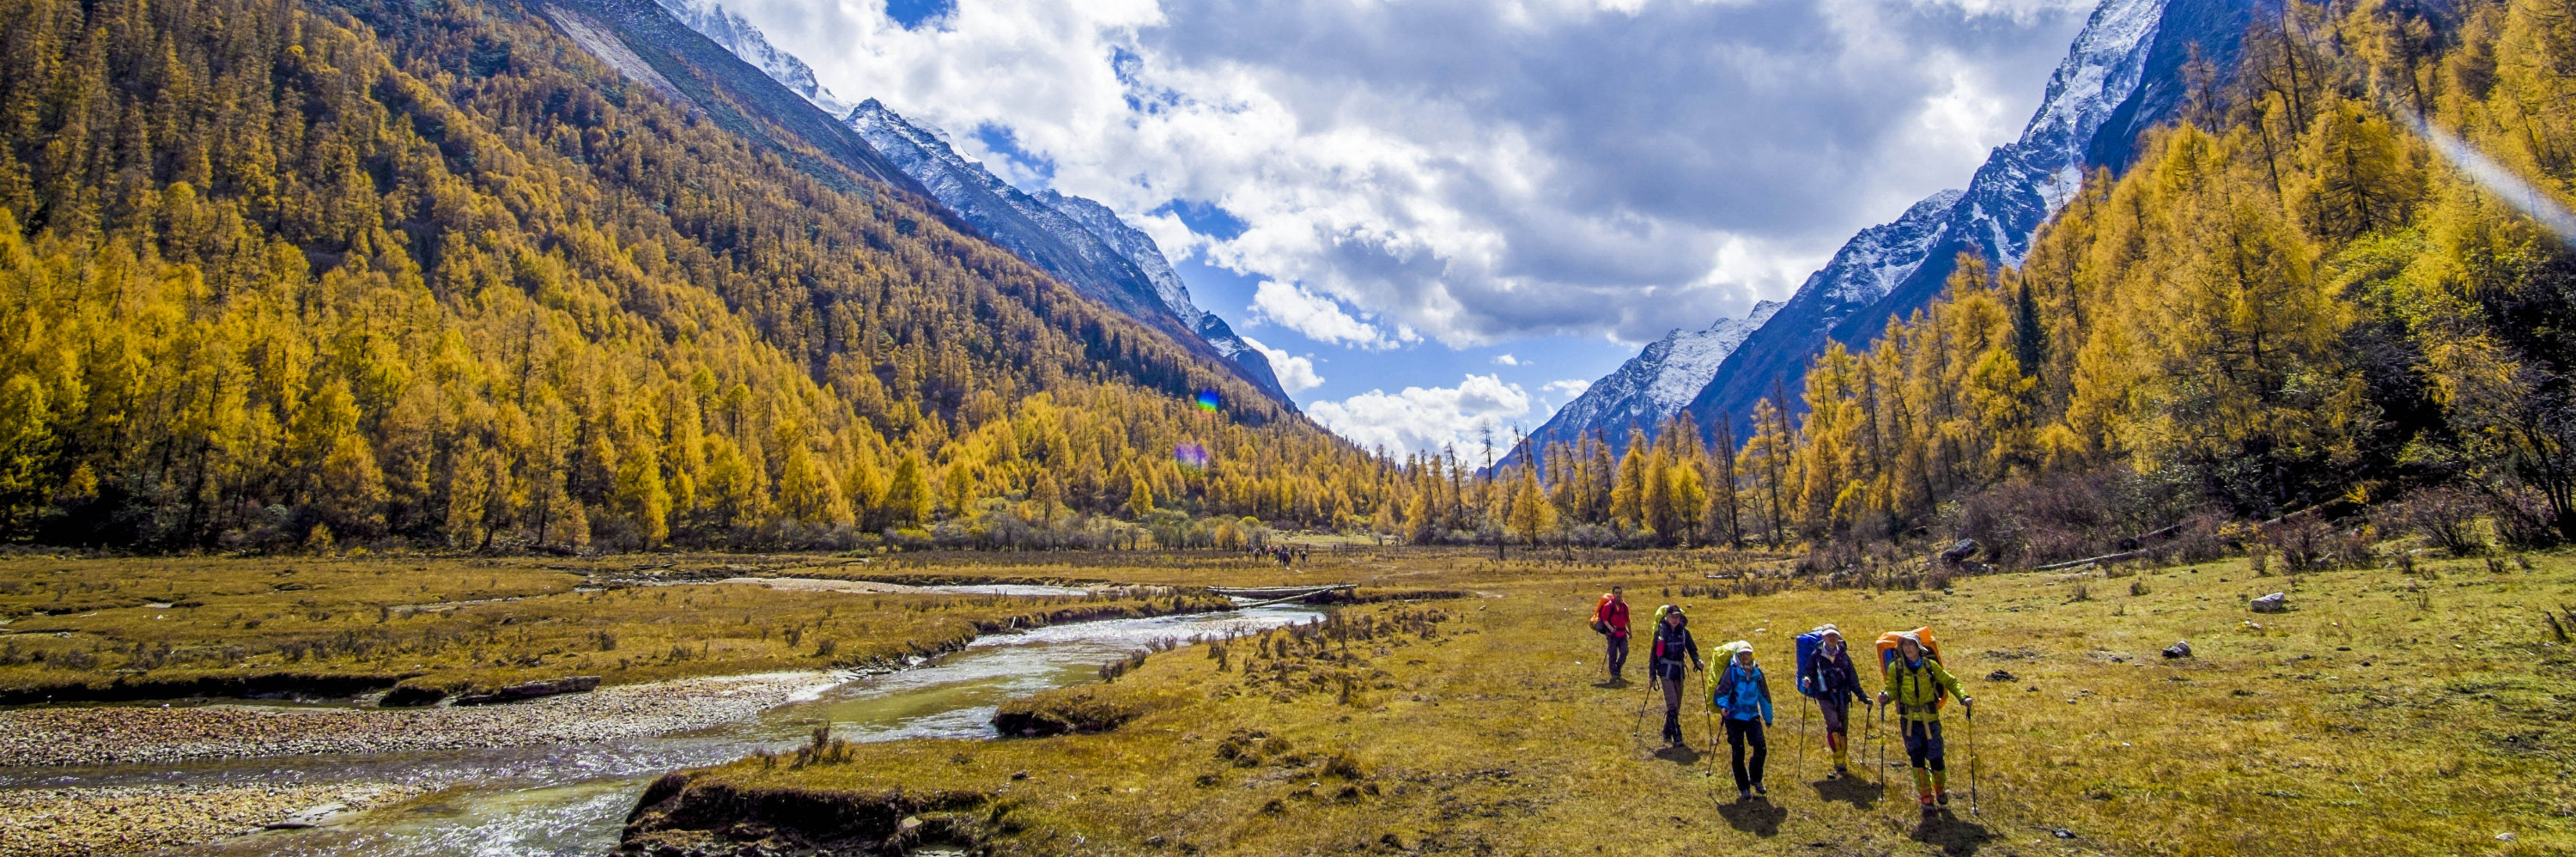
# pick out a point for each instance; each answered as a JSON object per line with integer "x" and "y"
{"x": 1842, "y": 772}
{"x": 1758, "y": 789}
{"x": 1743, "y": 794}
{"x": 1944, "y": 798}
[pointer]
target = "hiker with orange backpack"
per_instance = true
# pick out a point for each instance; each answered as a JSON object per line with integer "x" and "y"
{"x": 1610, "y": 620}
{"x": 1826, "y": 674}
{"x": 1917, "y": 684}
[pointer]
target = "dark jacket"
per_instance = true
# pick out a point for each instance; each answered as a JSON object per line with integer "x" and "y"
{"x": 1832, "y": 679}
{"x": 1674, "y": 645}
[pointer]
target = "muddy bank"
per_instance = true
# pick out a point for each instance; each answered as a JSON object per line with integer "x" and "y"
{"x": 100, "y": 736}
{"x": 130, "y": 688}
{"x": 693, "y": 815}
{"x": 144, "y": 819}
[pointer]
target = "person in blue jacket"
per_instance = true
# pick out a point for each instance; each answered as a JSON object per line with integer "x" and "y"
{"x": 1744, "y": 695}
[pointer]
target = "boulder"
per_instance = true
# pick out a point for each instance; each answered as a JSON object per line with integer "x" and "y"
{"x": 2180, "y": 649}
{"x": 2278, "y": 602}
{"x": 532, "y": 690}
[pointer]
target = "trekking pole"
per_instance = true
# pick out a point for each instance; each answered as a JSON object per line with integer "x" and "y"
{"x": 1879, "y": 728}
{"x": 1638, "y": 723}
{"x": 1972, "y": 761}
{"x": 1802, "y": 735}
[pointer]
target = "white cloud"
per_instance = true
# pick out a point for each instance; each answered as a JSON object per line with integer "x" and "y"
{"x": 1569, "y": 388}
{"x": 1296, "y": 374}
{"x": 1472, "y": 171}
{"x": 1507, "y": 360}
{"x": 1318, "y": 317}
{"x": 1423, "y": 420}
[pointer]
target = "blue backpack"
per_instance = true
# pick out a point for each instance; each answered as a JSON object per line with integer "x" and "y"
{"x": 1808, "y": 645}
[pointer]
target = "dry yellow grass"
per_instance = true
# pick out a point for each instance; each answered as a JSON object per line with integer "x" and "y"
{"x": 79, "y": 627}
{"x": 2388, "y": 714}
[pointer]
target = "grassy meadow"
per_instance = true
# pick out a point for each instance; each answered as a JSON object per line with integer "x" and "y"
{"x": 2394, "y": 710}
{"x": 102, "y": 628}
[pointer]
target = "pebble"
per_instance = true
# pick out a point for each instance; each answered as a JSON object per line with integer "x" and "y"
{"x": 121, "y": 735}
{"x": 143, "y": 819}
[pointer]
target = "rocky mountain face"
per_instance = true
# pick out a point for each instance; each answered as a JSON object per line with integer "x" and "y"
{"x": 1656, "y": 383}
{"x": 648, "y": 43}
{"x": 730, "y": 31}
{"x": 1078, "y": 240}
{"x": 2122, "y": 76}
{"x": 1140, "y": 248}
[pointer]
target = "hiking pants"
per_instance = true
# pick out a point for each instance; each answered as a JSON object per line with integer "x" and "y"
{"x": 1835, "y": 710}
{"x": 1618, "y": 654}
{"x": 1923, "y": 743}
{"x": 1738, "y": 734}
{"x": 1673, "y": 705}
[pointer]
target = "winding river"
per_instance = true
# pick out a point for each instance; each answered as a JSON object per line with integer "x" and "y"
{"x": 572, "y": 799}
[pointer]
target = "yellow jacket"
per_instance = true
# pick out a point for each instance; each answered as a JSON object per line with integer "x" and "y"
{"x": 1917, "y": 689}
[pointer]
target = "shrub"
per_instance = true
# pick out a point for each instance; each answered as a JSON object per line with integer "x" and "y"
{"x": 2446, "y": 516}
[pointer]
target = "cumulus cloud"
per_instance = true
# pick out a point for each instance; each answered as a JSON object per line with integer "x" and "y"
{"x": 1507, "y": 360}
{"x": 1296, "y": 374}
{"x": 1471, "y": 171}
{"x": 1424, "y": 420}
{"x": 1569, "y": 388}
{"x": 1318, "y": 317}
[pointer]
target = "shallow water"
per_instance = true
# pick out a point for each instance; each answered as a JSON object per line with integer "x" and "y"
{"x": 572, "y": 799}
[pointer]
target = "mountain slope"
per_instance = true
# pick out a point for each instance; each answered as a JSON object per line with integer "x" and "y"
{"x": 731, "y": 32}
{"x": 466, "y": 275}
{"x": 1074, "y": 238}
{"x": 1140, "y": 248}
{"x": 1049, "y": 237}
{"x": 2122, "y": 76}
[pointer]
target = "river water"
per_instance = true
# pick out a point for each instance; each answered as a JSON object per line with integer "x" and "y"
{"x": 572, "y": 799}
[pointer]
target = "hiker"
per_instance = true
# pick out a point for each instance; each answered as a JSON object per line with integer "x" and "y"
{"x": 1916, "y": 683}
{"x": 1673, "y": 644}
{"x": 1610, "y": 619}
{"x": 1743, "y": 696}
{"x": 1835, "y": 684}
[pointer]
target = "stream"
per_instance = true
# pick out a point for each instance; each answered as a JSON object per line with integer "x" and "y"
{"x": 572, "y": 799}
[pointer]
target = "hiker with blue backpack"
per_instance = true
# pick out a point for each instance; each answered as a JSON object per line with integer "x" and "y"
{"x": 1917, "y": 684}
{"x": 1743, "y": 695}
{"x": 1826, "y": 675}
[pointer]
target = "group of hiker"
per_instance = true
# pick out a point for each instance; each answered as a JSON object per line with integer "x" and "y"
{"x": 1914, "y": 684}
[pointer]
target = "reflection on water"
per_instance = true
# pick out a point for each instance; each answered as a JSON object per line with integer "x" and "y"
{"x": 573, "y": 799}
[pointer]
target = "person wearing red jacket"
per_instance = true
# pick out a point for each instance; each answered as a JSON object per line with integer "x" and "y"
{"x": 1610, "y": 618}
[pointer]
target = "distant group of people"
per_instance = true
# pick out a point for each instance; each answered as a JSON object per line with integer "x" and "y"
{"x": 1915, "y": 684}
{"x": 1283, "y": 554}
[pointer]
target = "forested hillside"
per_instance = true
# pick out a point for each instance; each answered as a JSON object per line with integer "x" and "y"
{"x": 2294, "y": 299}
{"x": 277, "y": 274}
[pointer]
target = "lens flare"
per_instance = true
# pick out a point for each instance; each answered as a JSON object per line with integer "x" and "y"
{"x": 2497, "y": 178}
{"x": 1192, "y": 457}
{"x": 1207, "y": 400}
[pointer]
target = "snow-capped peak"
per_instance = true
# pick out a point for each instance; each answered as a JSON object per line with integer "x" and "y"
{"x": 725, "y": 28}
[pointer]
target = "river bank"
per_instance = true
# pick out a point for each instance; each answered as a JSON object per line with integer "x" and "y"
{"x": 134, "y": 735}
{"x": 78, "y": 822}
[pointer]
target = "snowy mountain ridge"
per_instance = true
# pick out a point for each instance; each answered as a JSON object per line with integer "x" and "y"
{"x": 1080, "y": 241}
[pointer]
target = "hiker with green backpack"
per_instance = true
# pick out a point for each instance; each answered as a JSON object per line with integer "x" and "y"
{"x": 1743, "y": 696}
{"x": 1917, "y": 684}
{"x": 1673, "y": 648}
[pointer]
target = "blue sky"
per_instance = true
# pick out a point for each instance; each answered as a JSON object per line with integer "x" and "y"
{"x": 1443, "y": 213}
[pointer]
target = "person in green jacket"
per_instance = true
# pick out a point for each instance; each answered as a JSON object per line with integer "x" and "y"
{"x": 1916, "y": 684}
